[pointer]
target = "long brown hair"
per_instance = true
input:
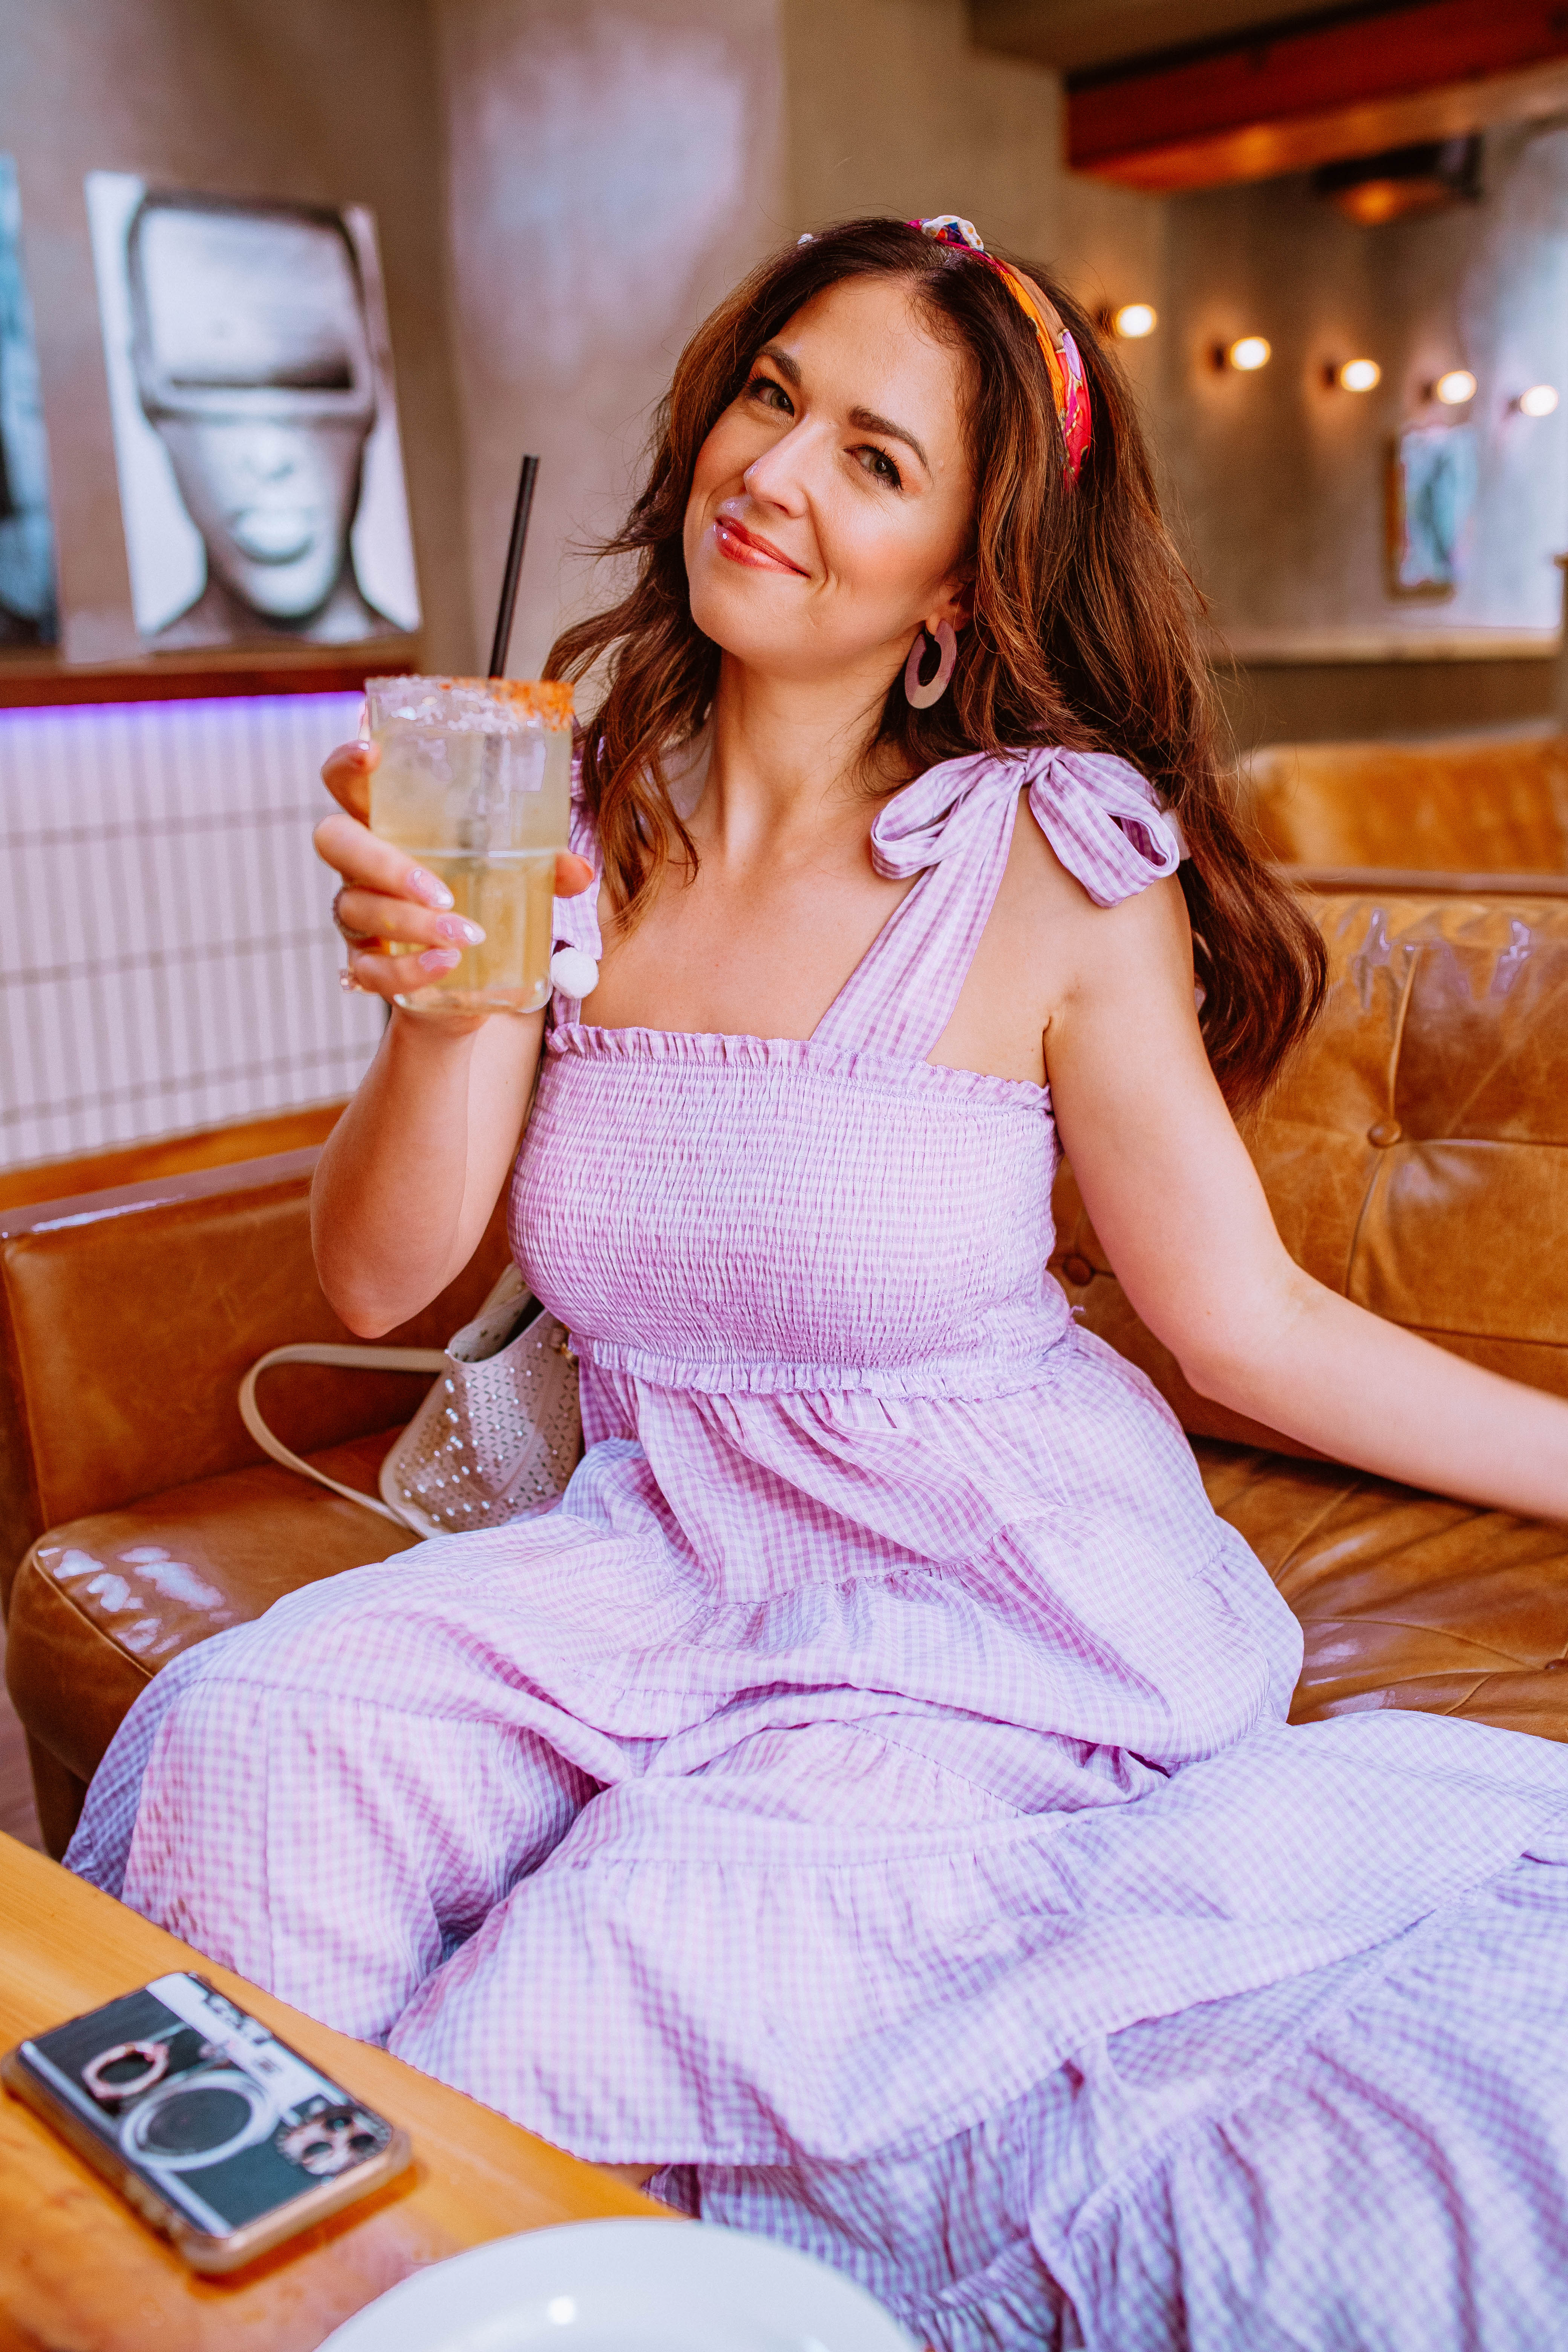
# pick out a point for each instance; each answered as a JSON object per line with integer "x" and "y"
{"x": 1084, "y": 631}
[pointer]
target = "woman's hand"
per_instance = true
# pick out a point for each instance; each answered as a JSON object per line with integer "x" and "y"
{"x": 409, "y": 1176}
{"x": 387, "y": 897}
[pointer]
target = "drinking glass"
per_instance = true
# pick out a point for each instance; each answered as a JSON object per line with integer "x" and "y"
{"x": 475, "y": 782}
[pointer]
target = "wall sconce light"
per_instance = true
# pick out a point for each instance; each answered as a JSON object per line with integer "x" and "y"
{"x": 1455, "y": 388}
{"x": 1132, "y": 321}
{"x": 1357, "y": 376}
{"x": 1539, "y": 401}
{"x": 1249, "y": 354}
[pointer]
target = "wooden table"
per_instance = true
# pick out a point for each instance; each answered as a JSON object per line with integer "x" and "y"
{"x": 79, "y": 2274}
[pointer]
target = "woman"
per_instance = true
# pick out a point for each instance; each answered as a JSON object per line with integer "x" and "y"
{"x": 868, "y": 1798}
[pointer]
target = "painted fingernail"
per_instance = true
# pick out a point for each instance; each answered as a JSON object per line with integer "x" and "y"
{"x": 426, "y": 886}
{"x": 440, "y": 960}
{"x": 348, "y": 983}
{"x": 457, "y": 926}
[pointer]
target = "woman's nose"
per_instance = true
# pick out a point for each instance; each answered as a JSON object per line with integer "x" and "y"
{"x": 776, "y": 477}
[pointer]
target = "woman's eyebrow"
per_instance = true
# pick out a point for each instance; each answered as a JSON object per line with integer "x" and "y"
{"x": 787, "y": 367}
{"x": 864, "y": 420}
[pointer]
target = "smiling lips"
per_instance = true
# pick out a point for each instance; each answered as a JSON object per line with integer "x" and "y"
{"x": 743, "y": 546}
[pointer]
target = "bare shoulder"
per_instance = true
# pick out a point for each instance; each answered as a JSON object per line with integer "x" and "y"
{"x": 1049, "y": 959}
{"x": 1047, "y": 922}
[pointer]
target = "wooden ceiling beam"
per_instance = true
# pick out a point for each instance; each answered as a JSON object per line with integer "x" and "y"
{"x": 1428, "y": 69}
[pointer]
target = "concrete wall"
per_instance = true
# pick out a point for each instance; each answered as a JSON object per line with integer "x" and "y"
{"x": 332, "y": 102}
{"x": 565, "y": 187}
{"x": 615, "y": 164}
{"x": 1280, "y": 478}
{"x": 892, "y": 109}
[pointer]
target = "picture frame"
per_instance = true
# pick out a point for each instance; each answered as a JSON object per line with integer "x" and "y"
{"x": 1433, "y": 473}
{"x": 254, "y": 418}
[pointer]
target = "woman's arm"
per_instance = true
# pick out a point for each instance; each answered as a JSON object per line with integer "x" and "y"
{"x": 404, "y": 1187}
{"x": 1177, "y": 1203}
{"x": 410, "y": 1174}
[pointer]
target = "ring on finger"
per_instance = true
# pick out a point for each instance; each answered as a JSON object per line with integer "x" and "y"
{"x": 354, "y": 938}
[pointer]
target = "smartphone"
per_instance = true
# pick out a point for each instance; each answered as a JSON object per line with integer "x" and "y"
{"x": 219, "y": 2135}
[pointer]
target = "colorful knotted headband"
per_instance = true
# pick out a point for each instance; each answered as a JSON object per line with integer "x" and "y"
{"x": 1070, "y": 387}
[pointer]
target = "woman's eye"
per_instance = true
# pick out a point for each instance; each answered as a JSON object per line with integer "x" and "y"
{"x": 878, "y": 463}
{"x": 771, "y": 394}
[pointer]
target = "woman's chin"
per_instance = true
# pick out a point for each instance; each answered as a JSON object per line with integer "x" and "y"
{"x": 744, "y": 627}
{"x": 755, "y": 628}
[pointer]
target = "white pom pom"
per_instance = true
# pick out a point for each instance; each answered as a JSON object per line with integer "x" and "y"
{"x": 573, "y": 972}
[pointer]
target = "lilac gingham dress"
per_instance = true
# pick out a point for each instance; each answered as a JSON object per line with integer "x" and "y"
{"x": 869, "y": 1793}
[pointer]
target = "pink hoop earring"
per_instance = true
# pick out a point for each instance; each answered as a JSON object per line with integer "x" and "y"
{"x": 918, "y": 696}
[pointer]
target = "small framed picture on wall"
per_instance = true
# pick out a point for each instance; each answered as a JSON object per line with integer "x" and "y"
{"x": 255, "y": 419}
{"x": 1432, "y": 476}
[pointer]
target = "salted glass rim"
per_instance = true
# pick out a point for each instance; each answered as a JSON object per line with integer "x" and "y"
{"x": 484, "y": 706}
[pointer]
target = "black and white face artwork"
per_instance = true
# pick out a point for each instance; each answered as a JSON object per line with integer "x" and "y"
{"x": 256, "y": 428}
{"x": 27, "y": 616}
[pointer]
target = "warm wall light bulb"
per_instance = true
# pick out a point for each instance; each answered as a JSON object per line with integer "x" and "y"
{"x": 1539, "y": 401}
{"x": 1455, "y": 388}
{"x": 1134, "y": 320}
{"x": 1252, "y": 352}
{"x": 1359, "y": 375}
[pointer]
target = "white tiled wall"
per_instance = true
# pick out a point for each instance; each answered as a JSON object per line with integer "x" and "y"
{"x": 166, "y": 957}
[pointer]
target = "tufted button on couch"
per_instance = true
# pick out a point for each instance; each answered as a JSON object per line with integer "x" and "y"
{"x": 1415, "y": 1159}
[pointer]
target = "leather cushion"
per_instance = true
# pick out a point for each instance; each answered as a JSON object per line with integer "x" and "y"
{"x": 1412, "y": 1152}
{"x": 1406, "y": 1600}
{"x": 102, "y": 1602}
{"x": 1489, "y": 804}
{"x": 134, "y": 1317}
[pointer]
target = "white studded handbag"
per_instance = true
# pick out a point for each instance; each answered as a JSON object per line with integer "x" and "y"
{"x": 498, "y": 1435}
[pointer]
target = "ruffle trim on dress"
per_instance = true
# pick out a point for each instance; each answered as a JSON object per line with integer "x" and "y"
{"x": 1011, "y": 2303}
{"x": 1014, "y": 2302}
{"x": 954, "y": 1984}
{"x": 802, "y": 1056}
{"x": 960, "y": 1378}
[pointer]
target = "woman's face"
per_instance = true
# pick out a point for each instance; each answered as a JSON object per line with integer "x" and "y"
{"x": 829, "y": 514}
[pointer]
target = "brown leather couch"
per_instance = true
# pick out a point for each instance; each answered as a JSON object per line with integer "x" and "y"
{"x": 1494, "y": 805}
{"x": 130, "y": 1315}
{"x": 1414, "y": 1157}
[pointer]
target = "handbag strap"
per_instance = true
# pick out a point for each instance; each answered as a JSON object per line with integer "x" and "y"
{"x": 326, "y": 1352}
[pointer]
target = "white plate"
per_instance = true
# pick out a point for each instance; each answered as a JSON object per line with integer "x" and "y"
{"x": 631, "y": 2286}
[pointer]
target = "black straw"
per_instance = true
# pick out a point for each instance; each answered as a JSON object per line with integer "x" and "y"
{"x": 520, "y": 513}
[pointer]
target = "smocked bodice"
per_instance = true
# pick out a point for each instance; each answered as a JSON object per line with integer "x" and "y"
{"x": 748, "y": 1213}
